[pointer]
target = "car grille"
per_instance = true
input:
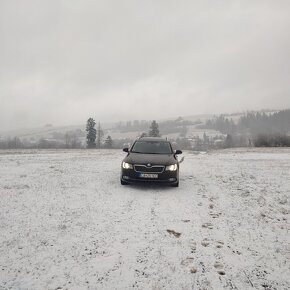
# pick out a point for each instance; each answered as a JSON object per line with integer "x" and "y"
{"x": 153, "y": 169}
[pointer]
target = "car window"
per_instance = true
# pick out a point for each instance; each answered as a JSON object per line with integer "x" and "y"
{"x": 152, "y": 147}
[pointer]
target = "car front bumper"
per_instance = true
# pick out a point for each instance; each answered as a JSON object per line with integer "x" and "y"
{"x": 166, "y": 177}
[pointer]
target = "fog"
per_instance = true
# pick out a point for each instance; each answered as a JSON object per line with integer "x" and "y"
{"x": 64, "y": 61}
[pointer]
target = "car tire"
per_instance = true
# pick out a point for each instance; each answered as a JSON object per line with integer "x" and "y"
{"x": 124, "y": 182}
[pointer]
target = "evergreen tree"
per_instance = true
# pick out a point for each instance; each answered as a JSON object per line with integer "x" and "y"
{"x": 229, "y": 142}
{"x": 91, "y": 133}
{"x": 109, "y": 142}
{"x": 100, "y": 135}
{"x": 154, "y": 129}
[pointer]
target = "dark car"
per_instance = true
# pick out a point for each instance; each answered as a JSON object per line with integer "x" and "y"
{"x": 150, "y": 159}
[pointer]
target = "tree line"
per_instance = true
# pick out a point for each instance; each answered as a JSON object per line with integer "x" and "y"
{"x": 253, "y": 123}
{"x": 260, "y": 128}
{"x": 68, "y": 140}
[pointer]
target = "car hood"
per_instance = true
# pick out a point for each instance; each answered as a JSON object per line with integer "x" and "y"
{"x": 154, "y": 159}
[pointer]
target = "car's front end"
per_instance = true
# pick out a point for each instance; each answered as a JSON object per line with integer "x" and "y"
{"x": 150, "y": 160}
{"x": 168, "y": 174}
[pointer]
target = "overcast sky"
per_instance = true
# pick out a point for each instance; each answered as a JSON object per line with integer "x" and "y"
{"x": 64, "y": 61}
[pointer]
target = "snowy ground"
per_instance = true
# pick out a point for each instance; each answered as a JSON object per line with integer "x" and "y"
{"x": 67, "y": 223}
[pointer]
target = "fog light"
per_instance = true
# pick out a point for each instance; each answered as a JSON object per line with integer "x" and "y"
{"x": 172, "y": 179}
{"x": 126, "y": 177}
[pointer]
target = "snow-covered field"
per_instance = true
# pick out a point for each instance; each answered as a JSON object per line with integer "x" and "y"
{"x": 67, "y": 223}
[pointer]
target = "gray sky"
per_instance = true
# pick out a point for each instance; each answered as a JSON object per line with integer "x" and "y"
{"x": 63, "y": 61}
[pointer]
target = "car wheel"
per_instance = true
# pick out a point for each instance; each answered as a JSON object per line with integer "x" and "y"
{"x": 124, "y": 182}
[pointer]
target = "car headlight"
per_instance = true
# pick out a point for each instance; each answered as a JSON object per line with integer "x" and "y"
{"x": 172, "y": 167}
{"x": 126, "y": 165}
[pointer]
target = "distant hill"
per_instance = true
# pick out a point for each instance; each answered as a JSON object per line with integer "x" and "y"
{"x": 201, "y": 117}
{"x": 46, "y": 131}
{"x": 170, "y": 127}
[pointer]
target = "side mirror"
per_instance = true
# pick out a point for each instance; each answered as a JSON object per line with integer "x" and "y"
{"x": 178, "y": 152}
{"x": 126, "y": 149}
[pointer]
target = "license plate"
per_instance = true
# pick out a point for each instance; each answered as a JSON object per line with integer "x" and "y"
{"x": 148, "y": 175}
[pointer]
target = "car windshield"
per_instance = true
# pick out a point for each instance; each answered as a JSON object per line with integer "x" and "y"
{"x": 152, "y": 147}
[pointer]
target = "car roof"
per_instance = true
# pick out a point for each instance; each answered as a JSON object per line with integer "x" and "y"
{"x": 152, "y": 139}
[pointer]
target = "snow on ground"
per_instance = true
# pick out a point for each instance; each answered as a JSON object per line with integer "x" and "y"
{"x": 67, "y": 223}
